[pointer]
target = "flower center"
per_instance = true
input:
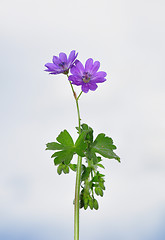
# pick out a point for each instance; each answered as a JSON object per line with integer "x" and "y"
{"x": 62, "y": 64}
{"x": 86, "y": 77}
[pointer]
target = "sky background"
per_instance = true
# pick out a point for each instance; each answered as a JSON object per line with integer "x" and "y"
{"x": 128, "y": 38}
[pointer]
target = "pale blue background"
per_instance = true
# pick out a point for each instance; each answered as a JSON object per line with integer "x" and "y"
{"x": 128, "y": 38}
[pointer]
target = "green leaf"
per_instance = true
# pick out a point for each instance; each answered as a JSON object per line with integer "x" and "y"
{"x": 100, "y": 165}
{"x": 85, "y": 206}
{"x": 84, "y": 126}
{"x": 73, "y": 167}
{"x": 95, "y": 184}
{"x": 90, "y": 203}
{"x": 89, "y": 136}
{"x": 90, "y": 154}
{"x": 59, "y": 169}
{"x": 99, "y": 159}
{"x": 86, "y": 201}
{"x": 95, "y": 204}
{"x": 101, "y": 184}
{"x": 65, "y": 155}
{"x": 53, "y": 146}
{"x": 104, "y": 146}
{"x": 100, "y": 175}
{"x": 81, "y": 145}
{"x": 85, "y": 174}
{"x": 66, "y": 169}
{"x": 65, "y": 139}
{"x": 66, "y": 145}
{"x": 95, "y": 179}
{"x": 99, "y": 191}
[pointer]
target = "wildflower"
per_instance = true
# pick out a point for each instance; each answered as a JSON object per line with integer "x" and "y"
{"x": 61, "y": 64}
{"x": 87, "y": 77}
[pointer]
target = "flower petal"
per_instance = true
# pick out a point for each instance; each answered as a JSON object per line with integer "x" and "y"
{"x": 88, "y": 65}
{"x": 72, "y": 56}
{"x": 80, "y": 68}
{"x": 63, "y": 57}
{"x": 95, "y": 67}
{"x": 98, "y": 80}
{"x": 92, "y": 86}
{"x": 56, "y": 72}
{"x": 99, "y": 77}
{"x": 72, "y": 77}
{"x": 85, "y": 87}
{"x": 50, "y": 66}
{"x": 74, "y": 70}
{"x": 100, "y": 74}
{"x": 56, "y": 60}
{"x": 76, "y": 80}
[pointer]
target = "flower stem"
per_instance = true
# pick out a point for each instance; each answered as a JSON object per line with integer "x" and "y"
{"x": 78, "y": 175}
{"x": 77, "y": 199}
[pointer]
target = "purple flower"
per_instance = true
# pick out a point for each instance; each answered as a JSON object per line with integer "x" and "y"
{"x": 87, "y": 77}
{"x": 61, "y": 64}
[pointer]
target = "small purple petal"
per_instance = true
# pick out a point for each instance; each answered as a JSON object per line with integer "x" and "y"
{"x": 98, "y": 80}
{"x": 80, "y": 68}
{"x": 63, "y": 57}
{"x": 100, "y": 74}
{"x": 76, "y": 61}
{"x": 92, "y": 86}
{"x": 72, "y": 56}
{"x": 56, "y": 72}
{"x": 95, "y": 67}
{"x": 85, "y": 87}
{"x": 76, "y": 80}
{"x": 56, "y": 60}
{"x": 88, "y": 65}
{"x": 50, "y": 66}
{"x": 99, "y": 77}
{"x": 74, "y": 70}
{"x": 72, "y": 78}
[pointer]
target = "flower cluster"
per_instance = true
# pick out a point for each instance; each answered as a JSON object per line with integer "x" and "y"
{"x": 87, "y": 77}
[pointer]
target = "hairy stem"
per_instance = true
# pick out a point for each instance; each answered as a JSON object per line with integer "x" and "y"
{"x": 78, "y": 176}
{"x": 77, "y": 199}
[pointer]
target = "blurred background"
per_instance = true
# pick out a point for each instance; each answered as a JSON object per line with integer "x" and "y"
{"x": 128, "y": 38}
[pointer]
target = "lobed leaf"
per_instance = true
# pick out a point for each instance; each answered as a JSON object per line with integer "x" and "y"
{"x": 66, "y": 145}
{"x": 65, "y": 139}
{"x": 104, "y": 146}
{"x": 53, "y": 146}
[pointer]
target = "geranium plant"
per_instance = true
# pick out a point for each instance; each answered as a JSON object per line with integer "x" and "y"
{"x": 89, "y": 180}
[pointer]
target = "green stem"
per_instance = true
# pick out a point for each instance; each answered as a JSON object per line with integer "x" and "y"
{"x": 79, "y": 95}
{"x": 77, "y": 199}
{"x": 79, "y": 119}
{"x": 78, "y": 175}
